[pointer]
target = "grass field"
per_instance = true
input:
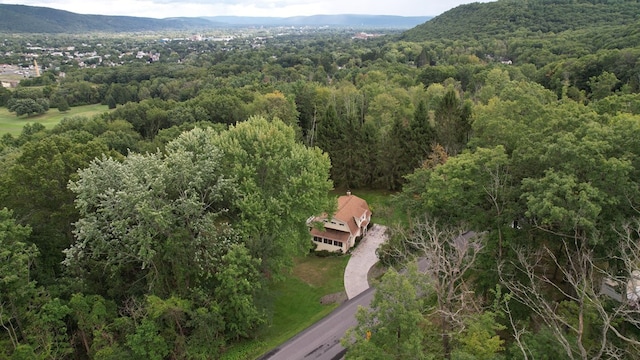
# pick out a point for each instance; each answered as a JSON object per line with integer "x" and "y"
{"x": 297, "y": 303}
{"x": 10, "y": 123}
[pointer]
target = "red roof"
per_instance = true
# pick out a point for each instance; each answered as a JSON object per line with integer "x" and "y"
{"x": 350, "y": 208}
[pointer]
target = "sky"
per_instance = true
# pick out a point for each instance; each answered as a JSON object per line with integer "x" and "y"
{"x": 272, "y": 8}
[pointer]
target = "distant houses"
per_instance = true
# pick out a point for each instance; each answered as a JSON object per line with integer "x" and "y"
{"x": 364, "y": 36}
{"x": 9, "y": 84}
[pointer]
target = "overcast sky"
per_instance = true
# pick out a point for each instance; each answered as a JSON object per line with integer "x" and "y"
{"x": 278, "y": 8}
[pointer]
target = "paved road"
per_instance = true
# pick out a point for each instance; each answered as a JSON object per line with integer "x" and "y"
{"x": 322, "y": 340}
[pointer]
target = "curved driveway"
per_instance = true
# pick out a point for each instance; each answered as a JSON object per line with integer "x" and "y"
{"x": 362, "y": 259}
{"x": 321, "y": 341}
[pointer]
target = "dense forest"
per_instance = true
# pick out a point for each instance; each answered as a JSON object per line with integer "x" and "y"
{"x": 154, "y": 230}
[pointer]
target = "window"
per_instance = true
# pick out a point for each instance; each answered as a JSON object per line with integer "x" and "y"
{"x": 317, "y": 239}
{"x": 327, "y": 241}
{"x": 337, "y": 243}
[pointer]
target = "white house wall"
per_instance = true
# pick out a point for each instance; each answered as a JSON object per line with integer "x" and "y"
{"x": 332, "y": 248}
{"x": 336, "y": 225}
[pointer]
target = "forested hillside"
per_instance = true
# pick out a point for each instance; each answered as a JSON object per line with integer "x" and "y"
{"x": 33, "y": 19}
{"x": 159, "y": 229}
{"x": 503, "y": 17}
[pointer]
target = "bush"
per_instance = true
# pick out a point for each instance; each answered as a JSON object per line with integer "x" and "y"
{"x": 327, "y": 253}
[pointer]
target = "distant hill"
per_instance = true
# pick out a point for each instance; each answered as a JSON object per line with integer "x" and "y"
{"x": 374, "y": 21}
{"x": 507, "y": 16}
{"x": 32, "y": 19}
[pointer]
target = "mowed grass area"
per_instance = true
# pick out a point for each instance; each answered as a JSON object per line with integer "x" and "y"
{"x": 10, "y": 123}
{"x": 297, "y": 303}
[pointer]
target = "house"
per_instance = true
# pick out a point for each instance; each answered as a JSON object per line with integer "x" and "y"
{"x": 9, "y": 83}
{"x": 348, "y": 224}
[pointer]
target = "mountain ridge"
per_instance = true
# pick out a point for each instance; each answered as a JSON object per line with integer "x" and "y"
{"x": 501, "y": 17}
{"x": 35, "y": 19}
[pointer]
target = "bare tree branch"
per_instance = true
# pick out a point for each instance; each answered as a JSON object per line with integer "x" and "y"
{"x": 446, "y": 254}
{"x": 581, "y": 285}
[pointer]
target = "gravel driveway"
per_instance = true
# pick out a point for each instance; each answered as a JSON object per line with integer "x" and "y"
{"x": 362, "y": 259}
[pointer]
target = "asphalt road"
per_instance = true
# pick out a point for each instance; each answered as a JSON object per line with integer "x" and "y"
{"x": 322, "y": 339}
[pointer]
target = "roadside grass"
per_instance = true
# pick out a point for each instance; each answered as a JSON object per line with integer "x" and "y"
{"x": 296, "y": 303}
{"x": 10, "y": 123}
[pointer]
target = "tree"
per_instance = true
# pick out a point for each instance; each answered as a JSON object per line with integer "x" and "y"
{"x": 422, "y": 133}
{"x": 395, "y": 159}
{"x": 111, "y": 102}
{"x": 63, "y": 105}
{"x": 276, "y": 105}
{"x": 423, "y": 58}
{"x": 16, "y": 285}
{"x": 5, "y": 95}
{"x": 281, "y": 183}
{"x": 452, "y": 122}
{"x": 32, "y": 322}
{"x": 147, "y": 343}
{"x": 602, "y": 85}
{"x": 28, "y": 106}
{"x": 221, "y": 108}
{"x": 40, "y": 173}
{"x": 162, "y": 210}
{"x": 239, "y": 281}
{"x": 329, "y": 130}
{"x": 392, "y": 327}
{"x": 593, "y": 313}
{"x": 92, "y": 314}
{"x": 479, "y": 338}
{"x": 448, "y": 255}
{"x": 470, "y": 188}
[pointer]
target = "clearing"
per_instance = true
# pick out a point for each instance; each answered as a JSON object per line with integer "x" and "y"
{"x": 10, "y": 123}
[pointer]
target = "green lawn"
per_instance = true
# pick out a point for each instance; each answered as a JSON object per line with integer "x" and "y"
{"x": 10, "y": 123}
{"x": 297, "y": 303}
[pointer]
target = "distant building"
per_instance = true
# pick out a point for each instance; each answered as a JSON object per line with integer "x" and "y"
{"x": 9, "y": 84}
{"x": 364, "y": 36}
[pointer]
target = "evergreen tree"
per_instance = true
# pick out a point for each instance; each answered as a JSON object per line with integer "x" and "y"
{"x": 452, "y": 122}
{"x": 422, "y": 134}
